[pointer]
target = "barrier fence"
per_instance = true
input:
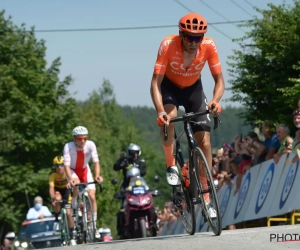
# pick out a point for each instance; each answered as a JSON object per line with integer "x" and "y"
{"x": 266, "y": 190}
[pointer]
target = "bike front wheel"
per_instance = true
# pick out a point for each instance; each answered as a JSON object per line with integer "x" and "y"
{"x": 89, "y": 227}
{"x": 206, "y": 190}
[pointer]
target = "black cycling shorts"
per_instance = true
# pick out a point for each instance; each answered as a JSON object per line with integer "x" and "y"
{"x": 66, "y": 196}
{"x": 191, "y": 98}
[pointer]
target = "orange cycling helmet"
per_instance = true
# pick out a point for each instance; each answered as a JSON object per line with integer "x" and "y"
{"x": 193, "y": 23}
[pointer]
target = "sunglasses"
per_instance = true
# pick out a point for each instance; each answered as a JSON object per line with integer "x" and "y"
{"x": 81, "y": 138}
{"x": 59, "y": 165}
{"x": 296, "y": 112}
{"x": 190, "y": 38}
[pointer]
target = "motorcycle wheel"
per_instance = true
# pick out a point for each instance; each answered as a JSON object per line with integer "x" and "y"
{"x": 142, "y": 224}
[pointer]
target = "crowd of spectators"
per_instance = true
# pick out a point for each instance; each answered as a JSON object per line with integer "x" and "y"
{"x": 244, "y": 152}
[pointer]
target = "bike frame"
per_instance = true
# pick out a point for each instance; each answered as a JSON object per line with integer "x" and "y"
{"x": 191, "y": 141}
{"x": 82, "y": 196}
{"x": 194, "y": 192}
{"x": 187, "y": 131}
{"x": 64, "y": 225}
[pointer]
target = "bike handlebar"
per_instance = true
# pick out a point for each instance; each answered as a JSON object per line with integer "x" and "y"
{"x": 189, "y": 116}
{"x": 84, "y": 184}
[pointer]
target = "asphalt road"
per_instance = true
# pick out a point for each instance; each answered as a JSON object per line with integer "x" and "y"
{"x": 252, "y": 238}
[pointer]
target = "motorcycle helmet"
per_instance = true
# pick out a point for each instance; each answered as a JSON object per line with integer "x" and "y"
{"x": 134, "y": 171}
{"x": 133, "y": 149}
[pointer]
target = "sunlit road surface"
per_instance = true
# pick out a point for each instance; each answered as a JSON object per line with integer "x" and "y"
{"x": 252, "y": 238}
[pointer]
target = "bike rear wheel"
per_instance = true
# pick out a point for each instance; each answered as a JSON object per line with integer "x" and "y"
{"x": 89, "y": 227}
{"x": 206, "y": 190}
{"x": 183, "y": 201}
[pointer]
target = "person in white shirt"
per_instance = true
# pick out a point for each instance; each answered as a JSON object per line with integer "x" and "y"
{"x": 38, "y": 211}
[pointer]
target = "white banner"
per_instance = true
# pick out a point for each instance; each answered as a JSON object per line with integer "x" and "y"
{"x": 179, "y": 228}
{"x": 265, "y": 189}
{"x": 287, "y": 190}
{"x": 224, "y": 196}
{"x": 239, "y": 202}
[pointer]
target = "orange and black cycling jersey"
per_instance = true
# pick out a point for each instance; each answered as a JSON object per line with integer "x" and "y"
{"x": 58, "y": 181}
{"x": 170, "y": 61}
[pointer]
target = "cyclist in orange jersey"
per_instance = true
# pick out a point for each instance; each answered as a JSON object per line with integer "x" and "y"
{"x": 177, "y": 82}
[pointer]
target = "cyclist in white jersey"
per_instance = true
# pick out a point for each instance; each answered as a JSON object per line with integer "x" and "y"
{"x": 77, "y": 154}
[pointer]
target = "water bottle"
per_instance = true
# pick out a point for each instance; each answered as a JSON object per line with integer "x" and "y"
{"x": 80, "y": 211}
{"x": 186, "y": 175}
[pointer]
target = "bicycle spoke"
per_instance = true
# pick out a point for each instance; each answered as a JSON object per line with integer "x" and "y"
{"x": 89, "y": 220}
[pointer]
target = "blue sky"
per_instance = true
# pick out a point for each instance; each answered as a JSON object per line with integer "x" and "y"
{"x": 126, "y": 57}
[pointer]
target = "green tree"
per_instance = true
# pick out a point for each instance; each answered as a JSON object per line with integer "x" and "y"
{"x": 265, "y": 74}
{"x": 36, "y": 118}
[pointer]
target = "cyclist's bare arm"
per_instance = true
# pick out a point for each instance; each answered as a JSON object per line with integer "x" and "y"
{"x": 219, "y": 86}
{"x": 97, "y": 169}
{"x": 51, "y": 186}
{"x": 52, "y": 192}
{"x": 68, "y": 172}
{"x": 67, "y": 158}
{"x": 69, "y": 176}
{"x": 156, "y": 92}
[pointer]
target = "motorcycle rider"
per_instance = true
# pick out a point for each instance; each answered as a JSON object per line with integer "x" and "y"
{"x": 125, "y": 162}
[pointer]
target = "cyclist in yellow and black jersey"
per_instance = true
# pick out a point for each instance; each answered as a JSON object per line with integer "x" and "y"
{"x": 58, "y": 190}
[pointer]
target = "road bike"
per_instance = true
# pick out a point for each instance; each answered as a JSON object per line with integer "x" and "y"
{"x": 192, "y": 191}
{"x": 84, "y": 214}
{"x": 64, "y": 226}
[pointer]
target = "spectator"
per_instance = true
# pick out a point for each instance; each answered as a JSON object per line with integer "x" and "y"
{"x": 285, "y": 140}
{"x": 296, "y": 144}
{"x": 169, "y": 216}
{"x": 271, "y": 142}
{"x": 38, "y": 211}
{"x": 174, "y": 210}
{"x": 8, "y": 241}
{"x": 160, "y": 220}
{"x": 232, "y": 165}
{"x": 240, "y": 146}
{"x": 221, "y": 159}
{"x": 255, "y": 147}
{"x": 219, "y": 167}
{"x": 6, "y": 245}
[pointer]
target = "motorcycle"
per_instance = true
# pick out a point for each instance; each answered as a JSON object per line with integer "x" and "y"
{"x": 140, "y": 217}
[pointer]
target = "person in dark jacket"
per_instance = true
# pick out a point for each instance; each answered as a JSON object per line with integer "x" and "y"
{"x": 126, "y": 161}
